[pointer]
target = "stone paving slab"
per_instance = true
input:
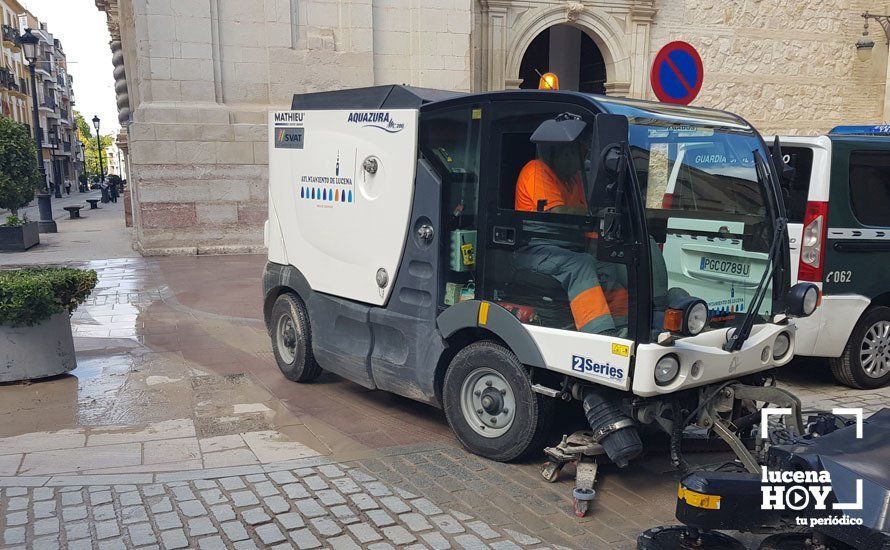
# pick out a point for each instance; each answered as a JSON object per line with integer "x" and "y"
{"x": 173, "y": 358}
{"x": 333, "y": 506}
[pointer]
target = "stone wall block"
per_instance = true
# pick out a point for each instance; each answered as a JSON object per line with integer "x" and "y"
{"x": 175, "y": 132}
{"x": 190, "y": 8}
{"x": 227, "y": 190}
{"x": 234, "y": 152}
{"x": 152, "y": 152}
{"x": 195, "y": 90}
{"x": 165, "y": 90}
{"x": 252, "y": 214}
{"x": 177, "y": 190}
{"x": 191, "y": 69}
{"x": 195, "y": 152}
{"x": 160, "y": 28}
{"x": 216, "y": 132}
{"x": 460, "y": 22}
{"x": 217, "y": 213}
{"x": 251, "y": 132}
{"x": 168, "y": 215}
{"x": 261, "y": 152}
{"x": 196, "y": 50}
{"x": 141, "y": 131}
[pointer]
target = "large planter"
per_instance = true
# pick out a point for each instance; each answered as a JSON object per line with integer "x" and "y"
{"x": 29, "y": 353}
{"x": 16, "y": 239}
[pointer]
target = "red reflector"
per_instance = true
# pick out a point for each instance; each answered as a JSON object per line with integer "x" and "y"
{"x": 673, "y": 320}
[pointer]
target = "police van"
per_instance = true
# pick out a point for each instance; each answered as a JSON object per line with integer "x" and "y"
{"x": 838, "y": 205}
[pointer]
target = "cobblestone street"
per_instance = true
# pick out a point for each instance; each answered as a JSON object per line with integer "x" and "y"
{"x": 177, "y": 430}
{"x": 306, "y": 503}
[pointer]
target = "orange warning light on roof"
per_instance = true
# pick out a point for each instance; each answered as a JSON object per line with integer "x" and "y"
{"x": 549, "y": 81}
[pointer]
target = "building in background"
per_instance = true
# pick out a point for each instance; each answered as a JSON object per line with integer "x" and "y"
{"x": 195, "y": 80}
{"x": 55, "y": 92}
{"x": 115, "y": 158}
{"x": 15, "y": 94}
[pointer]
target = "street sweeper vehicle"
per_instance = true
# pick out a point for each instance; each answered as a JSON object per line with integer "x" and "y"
{"x": 493, "y": 253}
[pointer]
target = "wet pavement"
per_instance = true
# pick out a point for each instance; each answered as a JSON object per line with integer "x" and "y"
{"x": 176, "y": 388}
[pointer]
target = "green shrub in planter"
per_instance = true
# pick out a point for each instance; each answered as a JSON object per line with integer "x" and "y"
{"x": 30, "y": 296}
{"x": 19, "y": 175}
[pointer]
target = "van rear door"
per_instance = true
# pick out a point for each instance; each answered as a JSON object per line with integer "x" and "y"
{"x": 811, "y": 159}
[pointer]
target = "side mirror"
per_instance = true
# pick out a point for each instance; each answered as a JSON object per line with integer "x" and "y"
{"x": 606, "y": 156}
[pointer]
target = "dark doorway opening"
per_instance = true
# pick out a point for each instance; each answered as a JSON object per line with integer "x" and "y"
{"x": 571, "y": 54}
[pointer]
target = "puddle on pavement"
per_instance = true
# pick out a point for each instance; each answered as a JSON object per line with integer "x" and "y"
{"x": 147, "y": 354}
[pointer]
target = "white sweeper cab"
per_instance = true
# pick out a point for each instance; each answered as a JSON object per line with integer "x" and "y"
{"x": 493, "y": 253}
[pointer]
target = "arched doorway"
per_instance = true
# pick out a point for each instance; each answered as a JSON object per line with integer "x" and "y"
{"x": 570, "y": 53}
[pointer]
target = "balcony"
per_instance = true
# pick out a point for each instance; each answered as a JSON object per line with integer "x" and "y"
{"x": 44, "y": 66}
{"x": 49, "y": 104}
{"x": 8, "y": 81}
{"x": 11, "y": 38}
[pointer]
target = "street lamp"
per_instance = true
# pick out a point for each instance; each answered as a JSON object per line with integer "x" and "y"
{"x": 83, "y": 165}
{"x": 865, "y": 44}
{"x": 31, "y": 47}
{"x": 99, "y": 148}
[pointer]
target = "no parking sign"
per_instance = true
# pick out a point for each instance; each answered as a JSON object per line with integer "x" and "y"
{"x": 677, "y": 73}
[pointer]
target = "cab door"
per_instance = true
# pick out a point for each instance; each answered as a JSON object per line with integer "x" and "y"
{"x": 541, "y": 265}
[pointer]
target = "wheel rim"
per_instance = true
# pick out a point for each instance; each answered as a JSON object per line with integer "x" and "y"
{"x": 487, "y": 402}
{"x": 874, "y": 353}
{"x": 286, "y": 335}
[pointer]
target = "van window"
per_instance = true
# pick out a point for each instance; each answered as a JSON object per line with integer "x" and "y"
{"x": 870, "y": 187}
{"x": 798, "y": 189}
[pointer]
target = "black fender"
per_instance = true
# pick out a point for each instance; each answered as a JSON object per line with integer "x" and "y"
{"x": 494, "y": 318}
{"x": 278, "y": 277}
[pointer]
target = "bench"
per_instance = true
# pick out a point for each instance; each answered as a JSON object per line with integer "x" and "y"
{"x": 73, "y": 211}
{"x": 93, "y": 204}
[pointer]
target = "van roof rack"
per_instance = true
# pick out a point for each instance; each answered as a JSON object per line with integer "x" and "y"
{"x": 374, "y": 97}
{"x": 875, "y": 130}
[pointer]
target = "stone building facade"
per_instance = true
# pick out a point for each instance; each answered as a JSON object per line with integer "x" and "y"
{"x": 54, "y": 89}
{"x": 195, "y": 78}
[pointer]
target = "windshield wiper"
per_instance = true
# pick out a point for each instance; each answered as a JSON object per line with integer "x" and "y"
{"x": 741, "y": 334}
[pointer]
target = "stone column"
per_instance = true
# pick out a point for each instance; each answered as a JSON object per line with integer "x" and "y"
{"x": 565, "y": 55}
{"x": 495, "y": 44}
{"x": 641, "y": 17}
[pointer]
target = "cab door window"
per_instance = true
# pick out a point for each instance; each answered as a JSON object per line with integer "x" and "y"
{"x": 541, "y": 261}
{"x": 450, "y": 142}
{"x": 870, "y": 187}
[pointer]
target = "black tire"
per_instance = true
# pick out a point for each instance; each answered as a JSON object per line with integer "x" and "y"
{"x": 847, "y": 368}
{"x": 532, "y": 412}
{"x": 299, "y": 363}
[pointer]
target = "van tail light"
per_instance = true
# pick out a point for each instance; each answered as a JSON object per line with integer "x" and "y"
{"x": 812, "y": 242}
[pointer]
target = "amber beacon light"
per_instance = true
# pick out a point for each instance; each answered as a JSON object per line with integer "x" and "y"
{"x": 549, "y": 81}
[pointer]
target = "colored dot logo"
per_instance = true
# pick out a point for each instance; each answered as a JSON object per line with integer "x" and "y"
{"x": 325, "y": 194}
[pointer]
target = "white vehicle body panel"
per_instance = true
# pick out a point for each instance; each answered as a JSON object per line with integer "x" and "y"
{"x": 827, "y": 330}
{"x": 333, "y": 220}
{"x": 594, "y": 357}
{"x": 715, "y": 364}
{"x": 820, "y": 182}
